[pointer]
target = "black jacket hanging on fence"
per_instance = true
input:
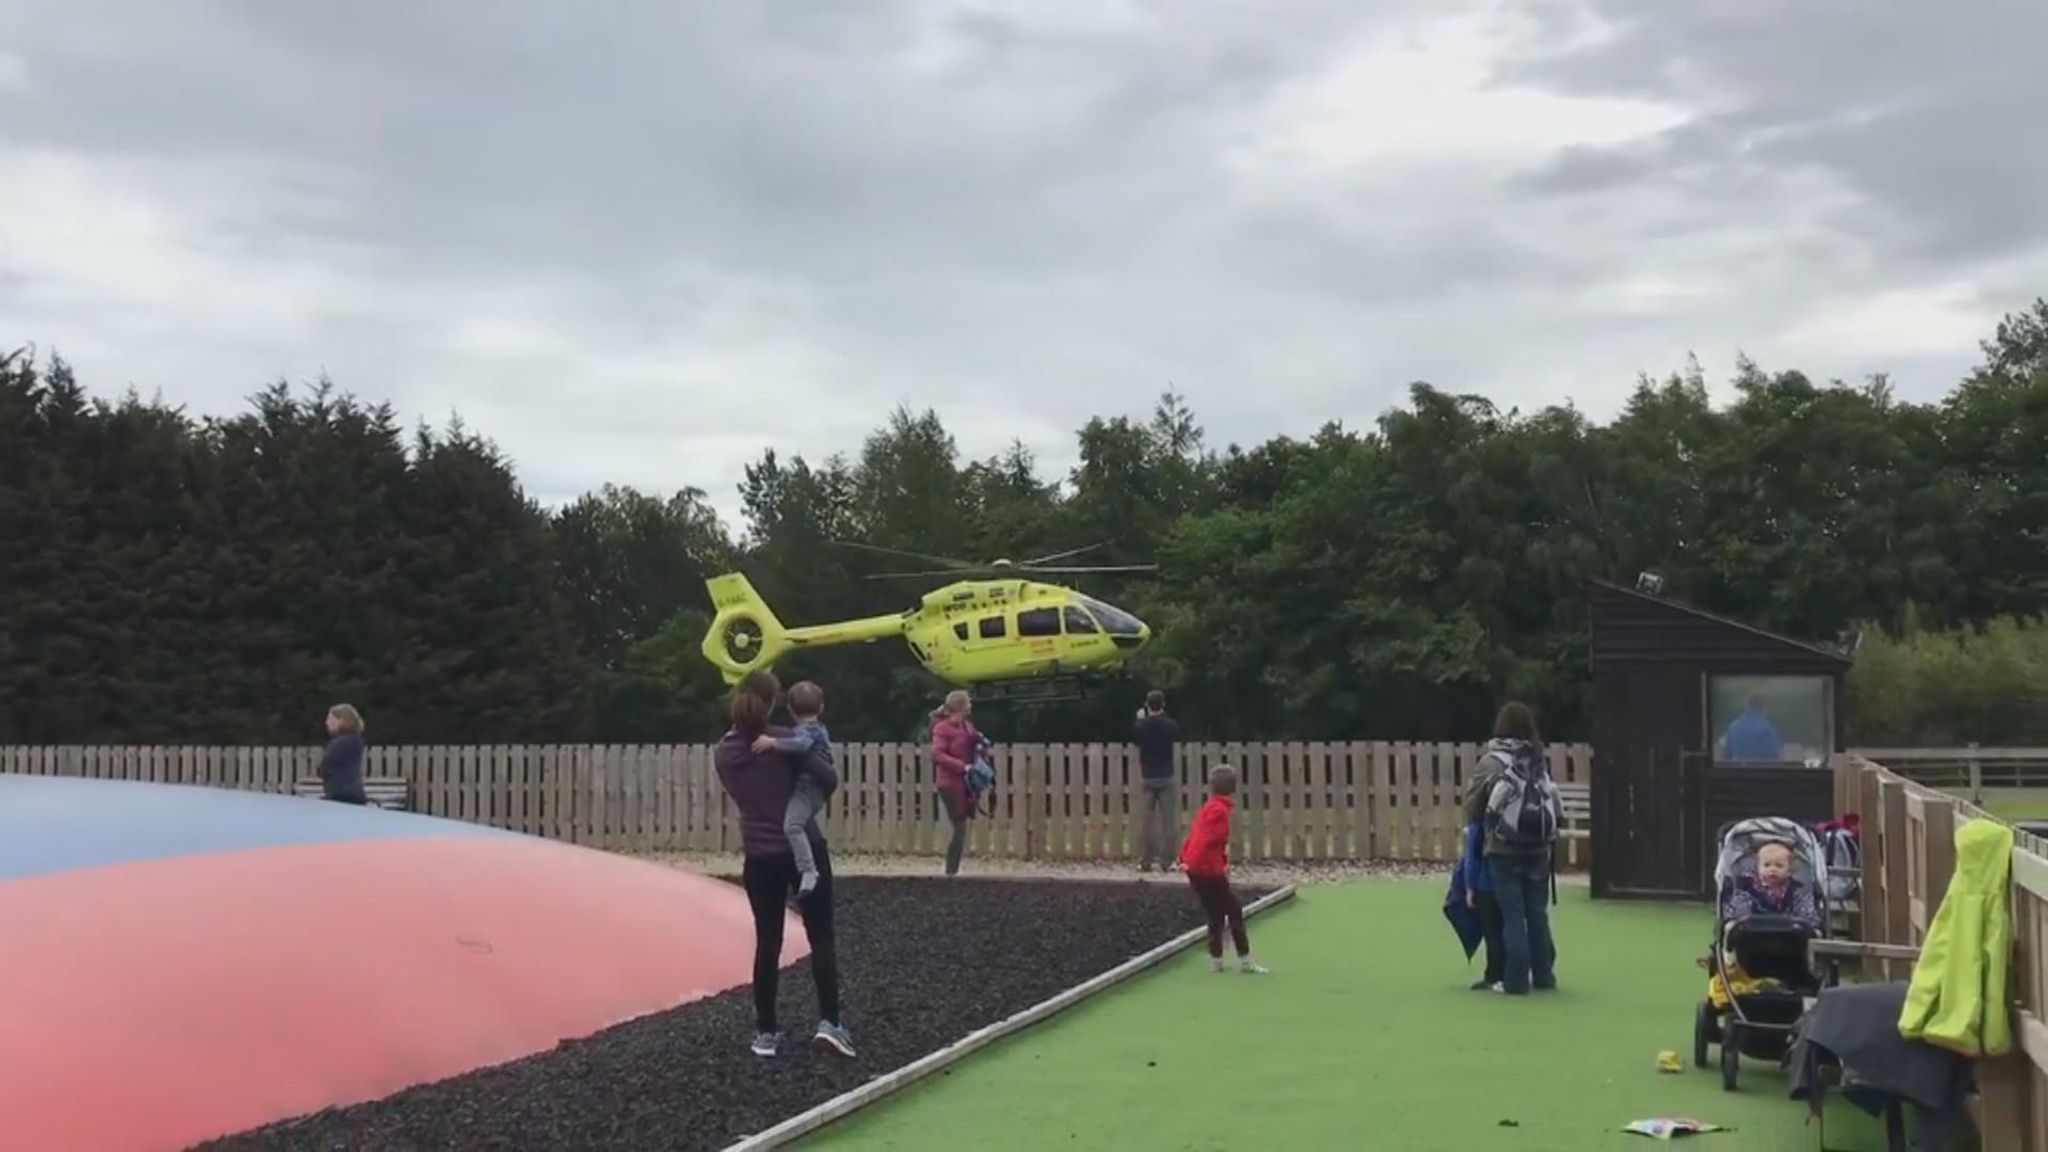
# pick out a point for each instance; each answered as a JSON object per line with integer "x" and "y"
{"x": 1856, "y": 1026}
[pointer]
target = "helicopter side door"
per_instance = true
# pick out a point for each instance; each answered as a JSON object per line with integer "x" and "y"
{"x": 1084, "y": 642}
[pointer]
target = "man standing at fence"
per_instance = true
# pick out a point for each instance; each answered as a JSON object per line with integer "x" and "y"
{"x": 1154, "y": 734}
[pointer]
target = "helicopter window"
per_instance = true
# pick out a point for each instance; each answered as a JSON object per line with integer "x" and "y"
{"x": 1079, "y": 623}
{"x": 1038, "y": 622}
{"x": 994, "y": 627}
{"x": 1115, "y": 621}
{"x": 960, "y": 629}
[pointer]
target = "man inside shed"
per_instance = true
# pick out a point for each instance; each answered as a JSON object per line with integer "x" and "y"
{"x": 1154, "y": 733}
{"x": 1751, "y": 736}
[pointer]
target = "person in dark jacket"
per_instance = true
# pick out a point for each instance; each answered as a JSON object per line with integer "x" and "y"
{"x": 760, "y": 784}
{"x": 341, "y": 765}
{"x": 1154, "y": 733}
{"x": 1520, "y": 872}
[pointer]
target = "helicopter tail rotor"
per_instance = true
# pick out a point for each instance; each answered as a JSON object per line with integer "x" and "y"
{"x": 744, "y": 634}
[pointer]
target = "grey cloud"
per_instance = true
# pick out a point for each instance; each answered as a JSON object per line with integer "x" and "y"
{"x": 1926, "y": 109}
{"x": 641, "y": 241}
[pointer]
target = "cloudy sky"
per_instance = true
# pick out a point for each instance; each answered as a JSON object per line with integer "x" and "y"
{"x": 641, "y": 241}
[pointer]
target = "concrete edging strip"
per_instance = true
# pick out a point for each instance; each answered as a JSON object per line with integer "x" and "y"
{"x": 804, "y": 1123}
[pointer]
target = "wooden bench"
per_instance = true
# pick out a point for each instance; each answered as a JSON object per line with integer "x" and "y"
{"x": 388, "y": 792}
{"x": 1577, "y": 800}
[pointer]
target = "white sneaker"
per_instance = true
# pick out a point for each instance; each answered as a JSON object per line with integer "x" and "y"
{"x": 1215, "y": 963}
{"x": 1251, "y": 967}
{"x": 767, "y": 1044}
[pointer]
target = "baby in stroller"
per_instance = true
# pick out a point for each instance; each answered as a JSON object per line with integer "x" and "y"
{"x": 1772, "y": 890}
{"x": 1770, "y": 904}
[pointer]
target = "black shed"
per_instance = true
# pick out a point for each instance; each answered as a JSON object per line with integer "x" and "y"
{"x": 1699, "y": 720}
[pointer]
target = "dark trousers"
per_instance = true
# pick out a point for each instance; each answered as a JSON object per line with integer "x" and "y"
{"x": 1490, "y": 928}
{"x": 959, "y": 810}
{"x": 1522, "y": 886}
{"x": 1157, "y": 836}
{"x": 769, "y": 881}
{"x": 1220, "y": 905}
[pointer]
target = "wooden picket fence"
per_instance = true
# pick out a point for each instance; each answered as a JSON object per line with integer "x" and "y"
{"x": 1909, "y": 855}
{"x": 1297, "y": 801}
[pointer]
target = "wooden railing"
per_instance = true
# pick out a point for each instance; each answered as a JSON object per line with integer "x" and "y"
{"x": 1909, "y": 857}
{"x": 1976, "y": 774}
{"x": 1297, "y": 802}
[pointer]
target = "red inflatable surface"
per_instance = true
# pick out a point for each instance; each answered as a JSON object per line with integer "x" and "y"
{"x": 154, "y": 1003}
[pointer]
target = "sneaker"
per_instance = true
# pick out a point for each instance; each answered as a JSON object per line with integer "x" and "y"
{"x": 1483, "y": 986}
{"x": 767, "y": 1044}
{"x": 1215, "y": 963}
{"x": 1251, "y": 967}
{"x": 832, "y": 1038}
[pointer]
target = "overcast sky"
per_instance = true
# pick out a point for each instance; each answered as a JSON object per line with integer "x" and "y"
{"x": 641, "y": 242}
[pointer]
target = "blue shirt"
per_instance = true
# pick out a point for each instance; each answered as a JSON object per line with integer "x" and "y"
{"x": 1478, "y": 877}
{"x": 1753, "y": 737}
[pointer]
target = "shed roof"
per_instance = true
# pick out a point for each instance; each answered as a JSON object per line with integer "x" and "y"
{"x": 1711, "y": 634}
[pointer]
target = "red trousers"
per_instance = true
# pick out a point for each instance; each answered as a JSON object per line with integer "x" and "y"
{"x": 1221, "y": 906}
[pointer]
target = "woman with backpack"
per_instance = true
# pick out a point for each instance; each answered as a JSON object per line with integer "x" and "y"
{"x": 1516, "y": 803}
{"x": 954, "y": 744}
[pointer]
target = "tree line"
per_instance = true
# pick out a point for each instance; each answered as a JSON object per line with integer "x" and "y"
{"x": 171, "y": 579}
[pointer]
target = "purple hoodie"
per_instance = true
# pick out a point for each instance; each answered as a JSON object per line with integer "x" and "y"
{"x": 762, "y": 785}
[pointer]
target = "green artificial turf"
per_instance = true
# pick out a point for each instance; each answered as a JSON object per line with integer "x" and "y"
{"x": 1364, "y": 1036}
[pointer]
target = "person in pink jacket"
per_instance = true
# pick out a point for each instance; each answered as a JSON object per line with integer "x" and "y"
{"x": 953, "y": 742}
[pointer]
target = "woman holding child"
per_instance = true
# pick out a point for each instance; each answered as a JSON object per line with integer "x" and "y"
{"x": 761, "y": 784}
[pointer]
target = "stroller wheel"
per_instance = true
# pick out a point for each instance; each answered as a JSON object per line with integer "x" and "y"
{"x": 1702, "y": 1033}
{"x": 1731, "y": 1055}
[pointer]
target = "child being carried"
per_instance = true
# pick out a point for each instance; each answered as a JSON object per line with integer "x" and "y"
{"x": 806, "y": 707}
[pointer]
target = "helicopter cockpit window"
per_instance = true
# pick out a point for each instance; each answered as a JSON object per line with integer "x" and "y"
{"x": 1079, "y": 623}
{"x": 1115, "y": 621}
{"x": 994, "y": 627}
{"x": 1038, "y": 622}
{"x": 960, "y": 629}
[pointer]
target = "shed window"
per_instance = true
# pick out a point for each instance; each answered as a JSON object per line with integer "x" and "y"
{"x": 1771, "y": 719}
{"x": 1038, "y": 622}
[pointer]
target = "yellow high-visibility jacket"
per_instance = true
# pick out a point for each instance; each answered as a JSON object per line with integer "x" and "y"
{"x": 1957, "y": 997}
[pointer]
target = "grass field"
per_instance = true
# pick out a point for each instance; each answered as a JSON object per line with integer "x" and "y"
{"x": 1365, "y": 1036}
{"x": 2015, "y": 803}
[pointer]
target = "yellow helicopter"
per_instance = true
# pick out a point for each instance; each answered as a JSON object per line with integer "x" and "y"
{"x": 1006, "y": 637}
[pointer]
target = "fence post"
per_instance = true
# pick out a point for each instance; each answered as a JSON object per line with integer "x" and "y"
{"x": 1034, "y": 802}
{"x": 1976, "y": 777}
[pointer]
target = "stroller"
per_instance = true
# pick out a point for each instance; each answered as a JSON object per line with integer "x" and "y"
{"x": 1770, "y": 951}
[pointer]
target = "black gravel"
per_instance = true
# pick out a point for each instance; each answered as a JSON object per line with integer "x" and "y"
{"x": 923, "y": 962}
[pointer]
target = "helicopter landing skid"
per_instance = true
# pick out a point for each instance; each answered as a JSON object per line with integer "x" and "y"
{"x": 1050, "y": 690}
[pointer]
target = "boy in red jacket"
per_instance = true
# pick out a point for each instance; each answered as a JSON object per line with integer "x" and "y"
{"x": 1206, "y": 860}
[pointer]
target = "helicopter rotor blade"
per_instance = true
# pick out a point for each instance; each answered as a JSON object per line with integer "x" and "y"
{"x": 950, "y": 563}
{"x": 917, "y": 575}
{"x": 1097, "y": 568}
{"x": 1035, "y": 561}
